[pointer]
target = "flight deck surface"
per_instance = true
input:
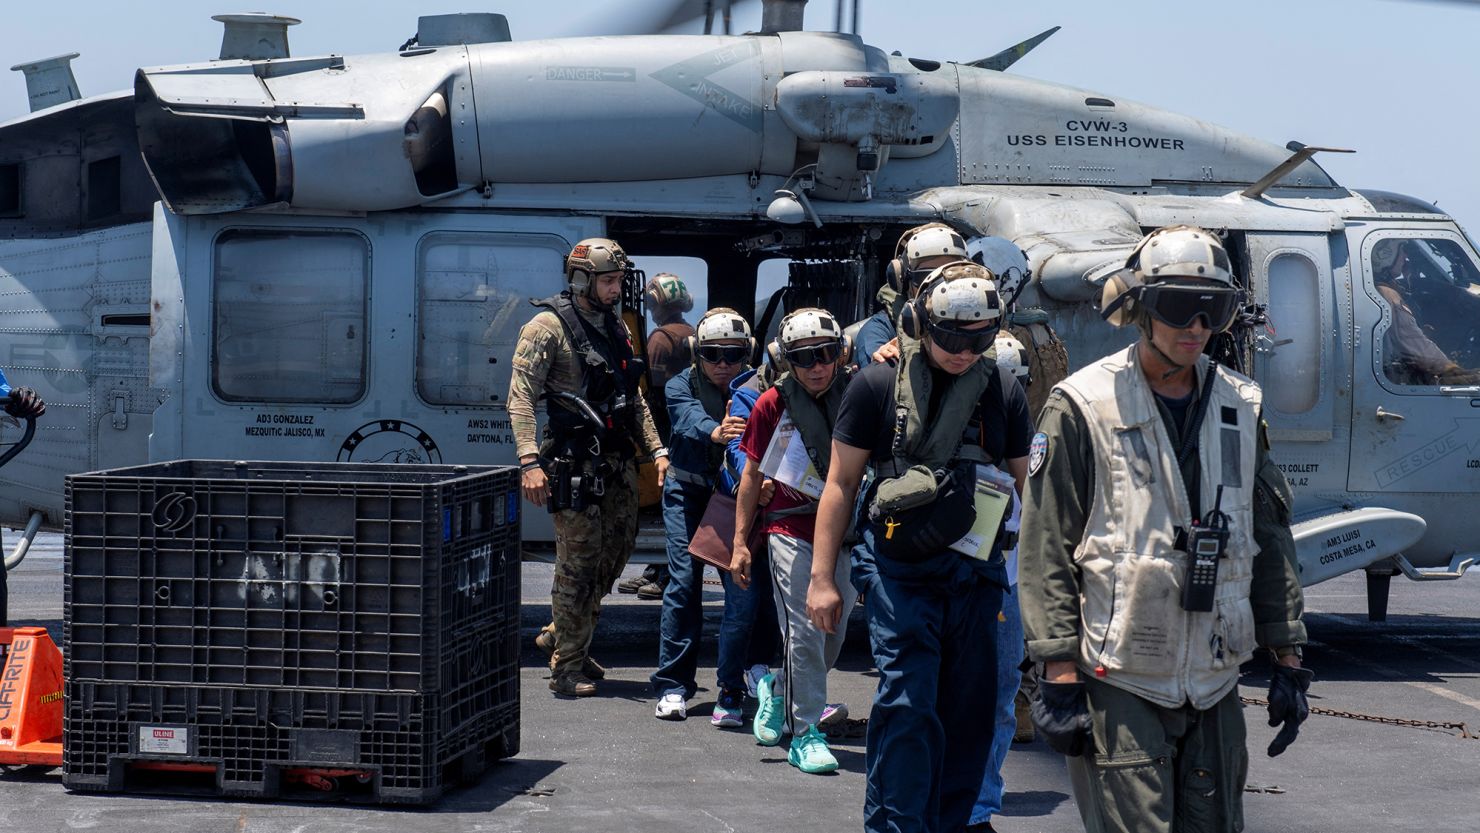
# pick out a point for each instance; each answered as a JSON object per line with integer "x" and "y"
{"x": 605, "y": 764}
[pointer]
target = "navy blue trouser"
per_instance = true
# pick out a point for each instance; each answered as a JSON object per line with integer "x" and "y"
{"x": 745, "y": 638}
{"x": 930, "y": 732}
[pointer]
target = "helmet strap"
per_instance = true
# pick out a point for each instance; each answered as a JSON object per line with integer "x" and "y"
{"x": 1143, "y": 323}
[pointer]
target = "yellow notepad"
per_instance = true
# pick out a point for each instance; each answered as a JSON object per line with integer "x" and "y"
{"x": 993, "y": 500}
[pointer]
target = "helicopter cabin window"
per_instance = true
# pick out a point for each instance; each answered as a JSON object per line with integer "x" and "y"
{"x": 1430, "y": 330}
{"x": 1295, "y": 302}
{"x": 290, "y": 316}
{"x": 473, "y": 293}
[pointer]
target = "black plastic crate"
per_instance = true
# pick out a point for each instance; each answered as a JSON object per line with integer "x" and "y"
{"x": 344, "y": 577}
{"x": 390, "y": 748}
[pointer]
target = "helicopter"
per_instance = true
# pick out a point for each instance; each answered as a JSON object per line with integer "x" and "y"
{"x": 266, "y": 256}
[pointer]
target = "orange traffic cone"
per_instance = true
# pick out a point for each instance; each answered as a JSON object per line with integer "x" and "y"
{"x": 30, "y": 699}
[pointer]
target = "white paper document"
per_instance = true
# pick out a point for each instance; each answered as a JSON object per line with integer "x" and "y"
{"x": 786, "y": 460}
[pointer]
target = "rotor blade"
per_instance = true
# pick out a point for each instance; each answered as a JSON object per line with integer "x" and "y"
{"x": 657, "y": 16}
{"x": 1012, "y": 54}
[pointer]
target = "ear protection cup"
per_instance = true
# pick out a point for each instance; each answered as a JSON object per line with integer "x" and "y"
{"x": 894, "y": 274}
{"x": 1118, "y": 297}
{"x": 778, "y": 358}
{"x": 910, "y": 321}
{"x": 912, "y": 316}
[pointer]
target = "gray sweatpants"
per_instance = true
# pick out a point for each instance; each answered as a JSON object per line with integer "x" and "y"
{"x": 810, "y": 652}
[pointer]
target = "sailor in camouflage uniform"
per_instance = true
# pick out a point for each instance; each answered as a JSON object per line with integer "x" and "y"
{"x": 577, "y": 355}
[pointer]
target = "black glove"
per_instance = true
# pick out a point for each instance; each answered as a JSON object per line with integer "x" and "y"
{"x": 1287, "y": 704}
{"x": 1061, "y": 713}
{"x": 24, "y": 404}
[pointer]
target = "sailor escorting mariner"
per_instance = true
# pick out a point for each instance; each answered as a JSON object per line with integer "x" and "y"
{"x": 1148, "y": 528}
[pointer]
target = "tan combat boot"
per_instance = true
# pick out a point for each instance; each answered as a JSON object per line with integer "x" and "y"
{"x": 1021, "y": 710}
{"x": 573, "y": 683}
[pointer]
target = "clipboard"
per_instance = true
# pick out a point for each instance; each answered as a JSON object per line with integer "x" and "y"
{"x": 993, "y": 500}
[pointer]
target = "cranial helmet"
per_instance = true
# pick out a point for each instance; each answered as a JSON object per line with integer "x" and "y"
{"x": 721, "y": 324}
{"x": 1004, "y": 260}
{"x": 803, "y": 324}
{"x": 954, "y": 295}
{"x": 1012, "y": 356}
{"x": 929, "y": 240}
{"x": 591, "y": 257}
{"x": 1162, "y": 257}
{"x": 934, "y": 241}
{"x": 1384, "y": 255}
{"x": 809, "y": 322}
{"x": 667, "y": 291}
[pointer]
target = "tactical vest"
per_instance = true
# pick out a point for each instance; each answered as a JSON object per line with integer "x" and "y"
{"x": 609, "y": 378}
{"x": 814, "y": 418}
{"x": 1131, "y": 620}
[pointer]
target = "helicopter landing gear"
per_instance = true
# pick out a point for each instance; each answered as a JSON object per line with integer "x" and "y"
{"x": 1379, "y": 582}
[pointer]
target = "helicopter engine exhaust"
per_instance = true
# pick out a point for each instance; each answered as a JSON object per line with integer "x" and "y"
{"x": 212, "y": 164}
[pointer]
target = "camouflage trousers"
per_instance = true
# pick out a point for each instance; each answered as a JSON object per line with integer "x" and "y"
{"x": 591, "y": 549}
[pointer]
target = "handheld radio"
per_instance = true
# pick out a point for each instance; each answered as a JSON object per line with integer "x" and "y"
{"x": 1207, "y": 543}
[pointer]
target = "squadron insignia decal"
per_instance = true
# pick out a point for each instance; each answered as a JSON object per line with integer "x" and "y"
{"x": 1037, "y": 453}
{"x": 389, "y": 441}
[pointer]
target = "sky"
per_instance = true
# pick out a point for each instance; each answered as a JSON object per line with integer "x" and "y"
{"x": 1394, "y": 80}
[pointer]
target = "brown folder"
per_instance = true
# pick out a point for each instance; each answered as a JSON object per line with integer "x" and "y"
{"x": 713, "y": 541}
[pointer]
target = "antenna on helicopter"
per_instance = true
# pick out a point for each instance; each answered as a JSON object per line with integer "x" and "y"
{"x": 1298, "y": 156}
{"x": 1012, "y": 54}
{"x": 50, "y": 82}
{"x": 254, "y": 36}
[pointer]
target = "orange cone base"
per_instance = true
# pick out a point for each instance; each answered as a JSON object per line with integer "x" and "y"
{"x": 30, "y": 699}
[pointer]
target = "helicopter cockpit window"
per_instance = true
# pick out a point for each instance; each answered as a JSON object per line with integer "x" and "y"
{"x": 1430, "y": 335}
{"x": 473, "y": 294}
{"x": 290, "y": 316}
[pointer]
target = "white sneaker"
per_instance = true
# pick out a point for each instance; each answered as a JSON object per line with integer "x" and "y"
{"x": 671, "y": 707}
{"x": 753, "y": 677}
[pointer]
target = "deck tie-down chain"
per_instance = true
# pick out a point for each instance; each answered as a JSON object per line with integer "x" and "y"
{"x": 1444, "y": 726}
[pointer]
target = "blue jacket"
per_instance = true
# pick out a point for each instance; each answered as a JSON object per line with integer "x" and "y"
{"x": 876, "y": 331}
{"x": 689, "y": 446}
{"x": 742, "y": 402}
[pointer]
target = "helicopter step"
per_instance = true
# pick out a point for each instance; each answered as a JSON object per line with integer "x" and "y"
{"x": 1458, "y": 566}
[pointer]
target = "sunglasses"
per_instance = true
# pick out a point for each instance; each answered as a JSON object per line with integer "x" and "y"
{"x": 953, "y": 340}
{"x": 723, "y": 353}
{"x": 1179, "y": 305}
{"x": 813, "y": 355}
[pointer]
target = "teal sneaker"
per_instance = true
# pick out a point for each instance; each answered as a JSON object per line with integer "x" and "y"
{"x": 810, "y": 753}
{"x": 769, "y": 715}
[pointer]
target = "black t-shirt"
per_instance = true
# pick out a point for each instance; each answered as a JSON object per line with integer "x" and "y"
{"x": 1002, "y": 426}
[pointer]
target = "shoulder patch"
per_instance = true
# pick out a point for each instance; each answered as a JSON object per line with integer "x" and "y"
{"x": 1037, "y": 453}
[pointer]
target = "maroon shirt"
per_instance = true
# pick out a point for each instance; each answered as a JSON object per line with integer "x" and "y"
{"x": 758, "y": 432}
